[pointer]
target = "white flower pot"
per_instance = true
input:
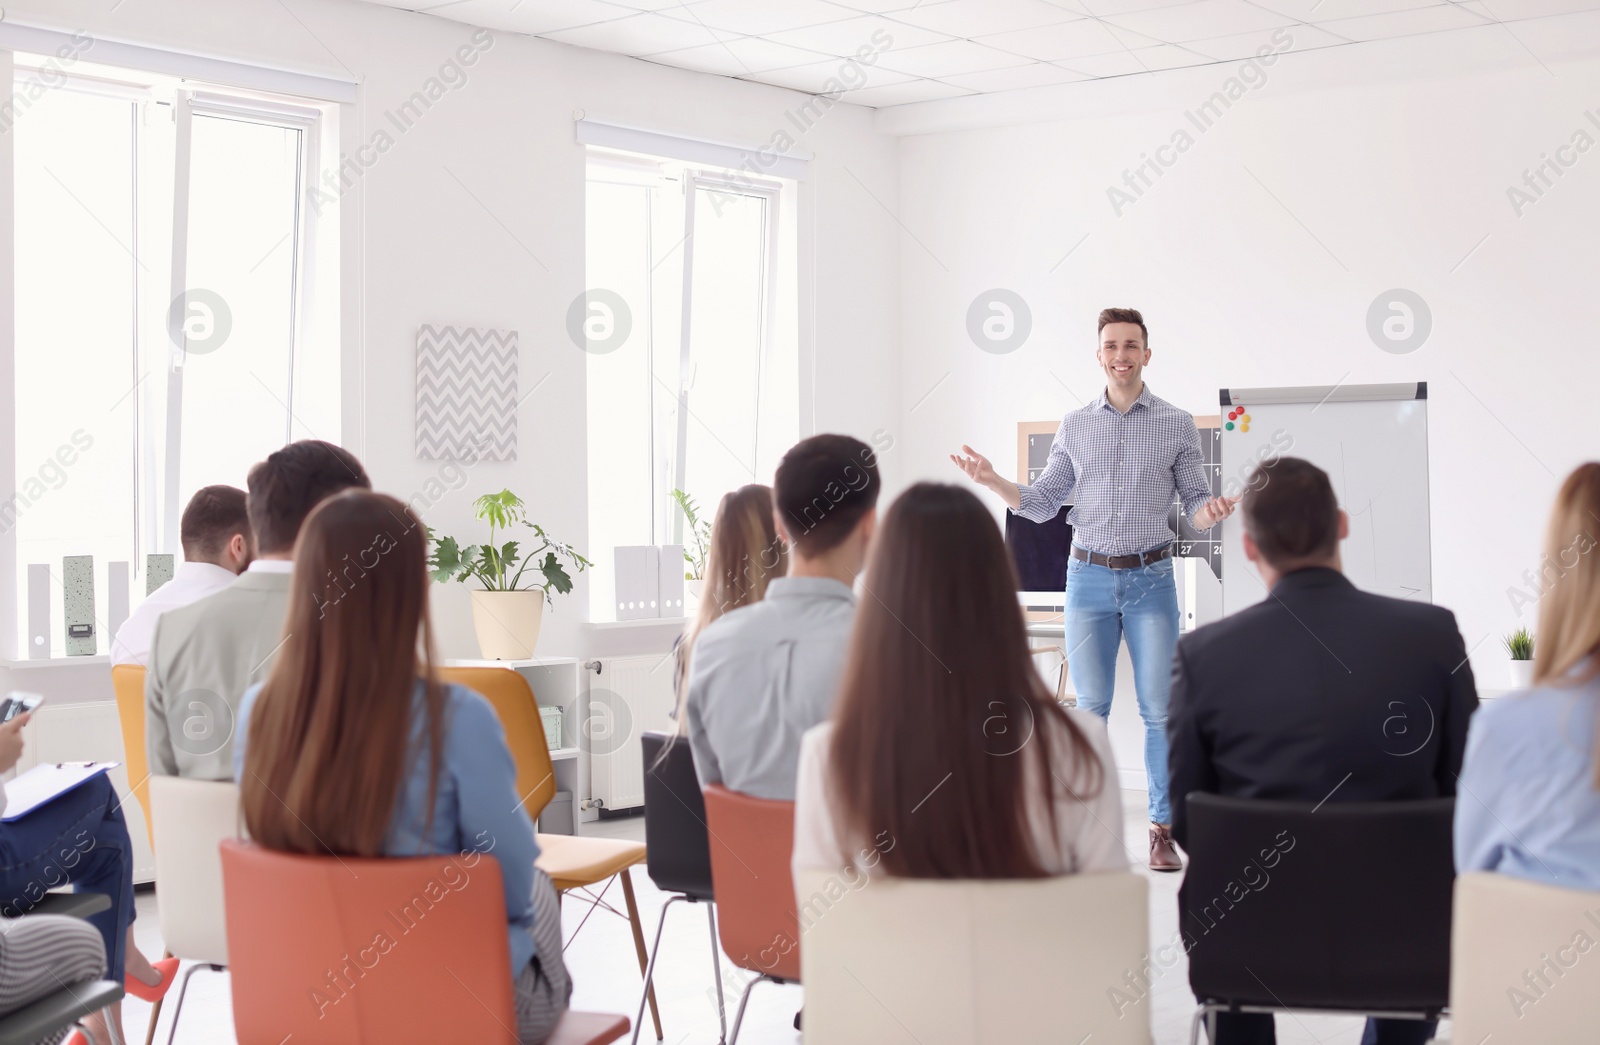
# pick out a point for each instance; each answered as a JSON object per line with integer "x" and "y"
{"x": 692, "y": 590}
{"x": 1521, "y": 674}
{"x": 507, "y": 622}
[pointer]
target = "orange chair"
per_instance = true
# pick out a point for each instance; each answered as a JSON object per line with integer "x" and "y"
{"x": 752, "y": 840}
{"x": 333, "y": 950}
{"x": 127, "y": 681}
{"x": 572, "y": 862}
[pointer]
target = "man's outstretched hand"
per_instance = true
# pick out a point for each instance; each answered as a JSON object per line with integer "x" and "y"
{"x": 977, "y": 466}
{"x": 1214, "y": 511}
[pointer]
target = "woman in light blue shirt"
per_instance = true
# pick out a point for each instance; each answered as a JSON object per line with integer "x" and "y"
{"x": 1529, "y": 801}
{"x": 352, "y": 747}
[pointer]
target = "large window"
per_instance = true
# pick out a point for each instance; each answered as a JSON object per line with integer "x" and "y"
{"x": 689, "y": 322}
{"x": 162, "y": 333}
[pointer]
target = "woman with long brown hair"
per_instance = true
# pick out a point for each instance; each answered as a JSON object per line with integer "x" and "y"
{"x": 947, "y": 757}
{"x": 746, "y": 553}
{"x": 353, "y": 747}
{"x": 1530, "y": 781}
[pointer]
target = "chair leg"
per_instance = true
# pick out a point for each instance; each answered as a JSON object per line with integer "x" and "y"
{"x": 744, "y": 999}
{"x": 177, "y": 1009}
{"x": 650, "y": 970}
{"x": 638, "y": 943}
{"x": 716, "y": 971}
{"x": 1194, "y": 1025}
{"x": 155, "y": 1012}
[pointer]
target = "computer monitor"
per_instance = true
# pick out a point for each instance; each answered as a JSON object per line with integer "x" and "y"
{"x": 1039, "y": 551}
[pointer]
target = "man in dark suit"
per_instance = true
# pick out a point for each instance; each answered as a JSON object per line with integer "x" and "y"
{"x": 1321, "y": 692}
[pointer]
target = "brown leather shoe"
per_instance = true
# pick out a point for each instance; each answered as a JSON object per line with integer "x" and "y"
{"x": 1163, "y": 854}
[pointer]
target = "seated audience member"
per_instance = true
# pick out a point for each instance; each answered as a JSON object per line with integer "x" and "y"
{"x": 1530, "y": 790}
{"x": 216, "y": 549}
{"x": 763, "y": 675}
{"x": 353, "y": 747}
{"x": 203, "y": 656}
{"x": 947, "y": 757}
{"x": 1320, "y": 692}
{"x": 78, "y": 837}
{"x": 744, "y": 557}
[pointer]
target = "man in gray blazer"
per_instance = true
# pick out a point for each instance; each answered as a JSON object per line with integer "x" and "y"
{"x": 203, "y": 656}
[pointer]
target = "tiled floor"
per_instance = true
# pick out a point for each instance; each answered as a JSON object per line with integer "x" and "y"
{"x": 606, "y": 973}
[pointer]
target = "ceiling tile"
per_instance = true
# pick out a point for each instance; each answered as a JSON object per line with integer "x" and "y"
{"x": 1039, "y": 74}
{"x": 1054, "y": 43}
{"x": 1323, "y": 10}
{"x": 741, "y": 57}
{"x": 846, "y": 37}
{"x": 1514, "y": 10}
{"x": 1105, "y": 8}
{"x": 640, "y": 34}
{"x": 814, "y": 79}
{"x": 760, "y": 18}
{"x": 878, "y": 7}
{"x": 1140, "y": 60}
{"x": 948, "y": 59}
{"x": 664, "y": 6}
{"x": 1249, "y": 45}
{"x": 1403, "y": 23}
{"x": 905, "y": 93}
{"x": 969, "y": 18}
{"x": 532, "y": 18}
{"x": 1201, "y": 20}
{"x": 1169, "y": 56}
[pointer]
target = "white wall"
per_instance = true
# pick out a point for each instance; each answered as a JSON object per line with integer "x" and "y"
{"x": 419, "y": 248}
{"x": 1256, "y": 254}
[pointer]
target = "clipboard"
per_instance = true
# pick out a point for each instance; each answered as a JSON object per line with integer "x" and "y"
{"x": 44, "y": 783}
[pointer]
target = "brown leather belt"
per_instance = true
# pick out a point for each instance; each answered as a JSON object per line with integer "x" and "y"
{"x": 1121, "y": 562}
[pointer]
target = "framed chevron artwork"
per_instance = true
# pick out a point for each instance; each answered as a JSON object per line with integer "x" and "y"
{"x": 466, "y": 394}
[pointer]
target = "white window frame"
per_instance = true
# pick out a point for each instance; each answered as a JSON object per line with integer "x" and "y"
{"x": 770, "y": 191}
{"x": 157, "y": 513}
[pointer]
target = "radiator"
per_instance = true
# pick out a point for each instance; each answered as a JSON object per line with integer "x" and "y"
{"x": 629, "y": 696}
{"x": 90, "y": 732}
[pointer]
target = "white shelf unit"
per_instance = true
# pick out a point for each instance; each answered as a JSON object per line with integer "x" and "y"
{"x": 554, "y": 681}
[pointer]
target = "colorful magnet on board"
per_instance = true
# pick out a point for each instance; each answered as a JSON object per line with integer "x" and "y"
{"x": 1228, "y": 426}
{"x": 1245, "y": 418}
{"x": 1244, "y": 428}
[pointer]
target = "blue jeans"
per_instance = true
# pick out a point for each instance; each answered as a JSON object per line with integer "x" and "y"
{"x": 81, "y": 838}
{"x": 1103, "y": 606}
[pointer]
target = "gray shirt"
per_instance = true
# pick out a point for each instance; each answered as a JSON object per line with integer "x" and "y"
{"x": 761, "y": 676}
{"x": 203, "y": 657}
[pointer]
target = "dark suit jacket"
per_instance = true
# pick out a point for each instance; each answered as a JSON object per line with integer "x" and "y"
{"x": 1322, "y": 691}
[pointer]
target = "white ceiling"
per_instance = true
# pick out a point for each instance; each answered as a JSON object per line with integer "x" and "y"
{"x": 948, "y": 48}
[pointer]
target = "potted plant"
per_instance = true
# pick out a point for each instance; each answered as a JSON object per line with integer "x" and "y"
{"x": 506, "y": 613}
{"x": 1519, "y": 644}
{"x": 694, "y": 553}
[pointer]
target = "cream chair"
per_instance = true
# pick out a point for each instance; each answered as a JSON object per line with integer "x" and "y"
{"x": 900, "y": 961}
{"x": 1524, "y": 963}
{"x": 192, "y": 817}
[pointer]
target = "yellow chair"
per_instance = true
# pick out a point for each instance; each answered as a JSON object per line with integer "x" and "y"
{"x": 571, "y": 861}
{"x": 127, "y": 680}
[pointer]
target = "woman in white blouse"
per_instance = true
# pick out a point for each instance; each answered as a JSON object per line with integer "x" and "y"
{"x": 947, "y": 757}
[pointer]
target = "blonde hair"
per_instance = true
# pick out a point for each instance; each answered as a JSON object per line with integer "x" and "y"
{"x": 1569, "y": 611}
{"x": 745, "y": 555}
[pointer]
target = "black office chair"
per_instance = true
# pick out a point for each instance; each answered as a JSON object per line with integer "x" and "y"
{"x": 67, "y": 1007}
{"x": 1342, "y": 908}
{"x": 679, "y": 859}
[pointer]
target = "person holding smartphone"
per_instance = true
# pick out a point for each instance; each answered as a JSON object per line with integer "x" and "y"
{"x": 78, "y": 837}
